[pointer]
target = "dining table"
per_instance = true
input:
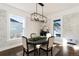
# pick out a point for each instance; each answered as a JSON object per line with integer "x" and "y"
{"x": 37, "y": 42}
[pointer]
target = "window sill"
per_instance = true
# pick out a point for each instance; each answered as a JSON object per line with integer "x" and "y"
{"x": 15, "y": 39}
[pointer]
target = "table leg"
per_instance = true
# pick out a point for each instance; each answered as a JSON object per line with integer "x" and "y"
{"x": 34, "y": 49}
{"x": 39, "y": 51}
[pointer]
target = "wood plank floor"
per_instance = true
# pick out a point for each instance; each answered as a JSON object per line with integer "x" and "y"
{"x": 17, "y": 51}
{"x": 12, "y": 51}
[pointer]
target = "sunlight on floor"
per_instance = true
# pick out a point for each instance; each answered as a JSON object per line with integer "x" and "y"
{"x": 65, "y": 49}
{"x": 76, "y": 47}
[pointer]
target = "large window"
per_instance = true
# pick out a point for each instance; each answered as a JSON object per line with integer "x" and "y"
{"x": 16, "y": 26}
{"x": 57, "y": 28}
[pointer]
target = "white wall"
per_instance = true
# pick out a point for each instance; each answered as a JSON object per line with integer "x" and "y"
{"x": 30, "y": 26}
{"x": 33, "y": 27}
{"x": 70, "y": 19}
{"x": 70, "y": 27}
{"x": 3, "y": 25}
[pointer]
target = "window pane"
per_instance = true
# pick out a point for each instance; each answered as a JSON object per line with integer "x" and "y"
{"x": 16, "y": 27}
{"x": 57, "y": 28}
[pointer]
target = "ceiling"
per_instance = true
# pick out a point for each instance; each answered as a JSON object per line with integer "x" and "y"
{"x": 49, "y": 8}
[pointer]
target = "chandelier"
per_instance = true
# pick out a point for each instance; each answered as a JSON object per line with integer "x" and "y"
{"x": 37, "y": 16}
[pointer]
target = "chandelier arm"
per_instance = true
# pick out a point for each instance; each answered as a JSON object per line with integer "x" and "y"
{"x": 36, "y": 7}
{"x": 42, "y": 12}
{"x": 36, "y": 13}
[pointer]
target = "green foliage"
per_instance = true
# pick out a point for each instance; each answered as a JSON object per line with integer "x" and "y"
{"x": 38, "y": 38}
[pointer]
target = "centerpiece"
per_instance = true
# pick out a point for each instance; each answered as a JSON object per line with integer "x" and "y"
{"x": 38, "y": 38}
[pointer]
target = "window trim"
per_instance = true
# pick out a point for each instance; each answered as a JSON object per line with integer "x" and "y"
{"x": 9, "y": 27}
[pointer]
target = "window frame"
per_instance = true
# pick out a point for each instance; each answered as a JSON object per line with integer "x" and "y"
{"x": 60, "y": 26}
{"x": 10, "y": 25}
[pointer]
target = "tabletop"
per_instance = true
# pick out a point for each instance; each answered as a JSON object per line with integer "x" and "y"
{"x": 43, "y": 41}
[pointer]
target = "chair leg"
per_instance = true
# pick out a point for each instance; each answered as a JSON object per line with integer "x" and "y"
{"x": 34, "y": 49}
{"x": 27, "y": 54}
{"x": 34, "y": 53}
{"x": 39, "y": 51}
{"x": 47, "y": 53}
{"x": 23, "y": 53}
{"x": 51, "y": 51}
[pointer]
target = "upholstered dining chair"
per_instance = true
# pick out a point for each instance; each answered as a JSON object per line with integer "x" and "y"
{"x": 33, "y": 35}
{"x": 26, "y": 47}
{"x": 49, "y": 46}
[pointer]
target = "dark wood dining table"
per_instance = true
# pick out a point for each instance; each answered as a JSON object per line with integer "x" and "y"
{"x": 38, "y": 42}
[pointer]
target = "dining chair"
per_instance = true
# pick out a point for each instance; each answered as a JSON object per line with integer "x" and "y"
{"x": 33, "y": 35}
{"x": 49, "y": 46}
{"x": 26, "y": 47}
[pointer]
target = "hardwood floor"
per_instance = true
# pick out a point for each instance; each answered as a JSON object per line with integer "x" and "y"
{"x": 17, "y": 51}
{"x": 12, "y": 51}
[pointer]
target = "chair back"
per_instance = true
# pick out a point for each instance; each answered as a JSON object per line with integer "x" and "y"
{"x": 50, "y": 41}
{"x": 33, "y": 35}
{"x": 48, "y": 35}
{"x": 24, "y": 42}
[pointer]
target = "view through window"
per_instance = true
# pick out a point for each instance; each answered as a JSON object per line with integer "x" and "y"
{"x": 16, "y": 26}
{"x": 57, "y": 28}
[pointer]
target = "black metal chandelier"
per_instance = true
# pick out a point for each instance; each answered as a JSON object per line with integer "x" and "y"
{"x": 37, "y": 16}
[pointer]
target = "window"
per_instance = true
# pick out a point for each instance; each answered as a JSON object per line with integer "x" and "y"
{"x": 16, "y": 26}
{"x": 57, "y": 28}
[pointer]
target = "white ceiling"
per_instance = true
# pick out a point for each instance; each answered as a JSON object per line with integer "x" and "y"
{"x": 49, "y": 8}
